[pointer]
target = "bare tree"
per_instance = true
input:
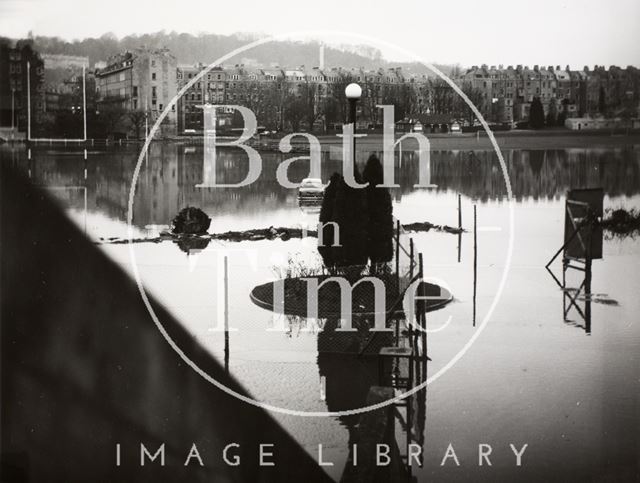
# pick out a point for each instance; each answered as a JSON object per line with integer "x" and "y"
{"x": 137, "y": 118}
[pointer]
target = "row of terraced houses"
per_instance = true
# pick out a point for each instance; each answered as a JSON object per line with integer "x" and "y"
{"x": 502, "y": 94}
{"x": 147, "y": 80}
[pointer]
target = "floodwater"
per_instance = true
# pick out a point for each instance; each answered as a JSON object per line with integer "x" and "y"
{"x": 520, "y": 374}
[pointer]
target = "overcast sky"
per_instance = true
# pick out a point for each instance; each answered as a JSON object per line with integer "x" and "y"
{"x": 575, "y": 32}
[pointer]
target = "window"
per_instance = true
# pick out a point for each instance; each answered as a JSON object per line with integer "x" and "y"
{"x": 153, "y": 91}
{"x": 153, "y": 63}
{"x": 153, "y": 76}
{"x": 135, "y": 91}
{"x": 121, "y": 79}
{"x": 160, "y": 106}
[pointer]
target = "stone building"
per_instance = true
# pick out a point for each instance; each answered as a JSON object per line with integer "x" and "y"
{"x": 143, "y": 81}
{"x": 21, "y": 66}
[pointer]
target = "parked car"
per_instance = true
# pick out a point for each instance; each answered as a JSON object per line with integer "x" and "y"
{"x": 455, "y": 128}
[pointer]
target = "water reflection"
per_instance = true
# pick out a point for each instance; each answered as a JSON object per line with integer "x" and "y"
{"x": 168, "y": 181}
{"x": 167, "y": 184}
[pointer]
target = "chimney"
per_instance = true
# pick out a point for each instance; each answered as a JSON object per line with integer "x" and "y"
{"x": 536, "y": 68}
{"x": 500, "y": 66}
{"x": 568, "y": 68}
{"x": 550, "y": 67}
{"x": 321, "y": 56}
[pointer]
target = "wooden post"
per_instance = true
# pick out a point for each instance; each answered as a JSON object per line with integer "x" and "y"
{"x": 398, "y": 255}
{"x": 587, "y": 283}
{"x": 423, "y": 317}
{"x": 411, "y": 257}
{"x": 226, "y": 315}
{"x": 28, "y": 101}
{"x": 459, "y": 211}
{"x": 84, "y": 100}
{"x": 564, "y": 287}
{"x": 475, "y": 262}
{"x": 587, "y": 293}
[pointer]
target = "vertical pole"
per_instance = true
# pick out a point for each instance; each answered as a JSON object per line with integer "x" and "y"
{"x": 564, "y": 291}
{"x": 226, "y": 315}
{"x": 398, "y": 254}
{"x": 587, "y": 294}
{"x": 475, "y": 262}
{"x": 84, "y": 101}
{"x": 352, "y": 115}
{"x": 422, "y": 315}
{"x": 146, "y": 133}
{"x": 411, "y": 259}
{"x": 587, "y": 282}
{"x": 13, "y": 108}
{"x": 459, "y": 226}
{"x": 28, "y": 101}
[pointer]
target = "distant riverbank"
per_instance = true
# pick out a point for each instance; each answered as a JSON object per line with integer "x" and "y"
{"x": 521, "y": 139}
{"x": 372, "y": 141}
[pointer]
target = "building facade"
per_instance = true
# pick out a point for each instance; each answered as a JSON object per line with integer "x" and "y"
{"x": 143, "y": 81}
{"x": 21, "y": 67}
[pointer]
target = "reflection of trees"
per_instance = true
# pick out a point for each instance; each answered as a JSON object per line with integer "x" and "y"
{"x": 167, "y": 182}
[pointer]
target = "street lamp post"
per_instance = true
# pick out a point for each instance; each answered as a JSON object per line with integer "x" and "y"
{"x": 353, "y": 92}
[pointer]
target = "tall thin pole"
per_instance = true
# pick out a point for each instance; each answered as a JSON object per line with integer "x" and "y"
{"x": 459, "y": 227}
{"x": 475, "y": 262}
{"x": 226, "y": 315}
{"x": 84, "y": 100}
{"x": 13, "y": 107}
{"x": 398, "y": 254}
{"x": 28, "y": 101}
{"x": 352, "y": 115}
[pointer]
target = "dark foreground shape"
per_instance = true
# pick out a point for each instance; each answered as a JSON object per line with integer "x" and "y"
{"x": 84, "y": 367}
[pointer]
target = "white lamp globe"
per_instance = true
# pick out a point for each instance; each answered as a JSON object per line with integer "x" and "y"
{"x": 353, "y": 91}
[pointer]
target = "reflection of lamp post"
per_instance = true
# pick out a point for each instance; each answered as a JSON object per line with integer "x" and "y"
{"x": 353, "y": 92}
{"x": 13, "y": 107}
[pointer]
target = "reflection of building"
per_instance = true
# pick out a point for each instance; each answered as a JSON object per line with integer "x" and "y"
{"x": 16, "y": 60}
{"x": 143, "y": 80}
